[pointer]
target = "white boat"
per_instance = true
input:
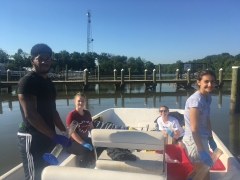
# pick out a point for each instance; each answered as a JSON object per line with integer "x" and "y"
{"x": 148, "y": 164}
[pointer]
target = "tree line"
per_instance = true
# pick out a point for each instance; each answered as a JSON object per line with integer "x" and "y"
{"x": 108, "y": 62}
{"x": 213, "y": 62}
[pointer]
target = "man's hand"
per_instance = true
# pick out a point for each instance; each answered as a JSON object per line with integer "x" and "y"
{"x": 63, "y": 140}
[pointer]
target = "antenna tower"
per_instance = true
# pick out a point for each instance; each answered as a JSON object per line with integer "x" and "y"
{"x": 89, "y": 32}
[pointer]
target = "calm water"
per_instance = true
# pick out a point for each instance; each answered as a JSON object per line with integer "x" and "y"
{"x": 226, "y": 126}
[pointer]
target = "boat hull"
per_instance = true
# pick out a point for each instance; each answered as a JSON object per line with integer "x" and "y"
{"x": 141, "y": 119}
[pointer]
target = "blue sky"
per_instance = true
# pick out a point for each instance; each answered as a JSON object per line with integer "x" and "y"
{"x": 160, "y": 31}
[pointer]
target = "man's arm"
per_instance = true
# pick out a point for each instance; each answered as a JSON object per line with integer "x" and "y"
{"x": 58, "y": 122}
{"x": 29, "y": 106}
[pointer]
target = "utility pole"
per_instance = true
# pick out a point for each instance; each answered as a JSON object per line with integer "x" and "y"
{"x": 89, "y": 32}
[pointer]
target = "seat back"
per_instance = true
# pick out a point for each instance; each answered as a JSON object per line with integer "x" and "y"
{"x": 134, "y": 140}
{"x": 128, "y": 139}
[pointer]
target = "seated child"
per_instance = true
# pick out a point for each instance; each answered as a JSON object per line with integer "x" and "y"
{"x": 170, "y": 125}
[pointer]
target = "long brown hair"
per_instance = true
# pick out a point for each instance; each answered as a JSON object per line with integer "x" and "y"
{"x": 206, "y": 72}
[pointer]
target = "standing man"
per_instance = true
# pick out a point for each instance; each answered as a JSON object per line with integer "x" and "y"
{"x": 37, "y": 95}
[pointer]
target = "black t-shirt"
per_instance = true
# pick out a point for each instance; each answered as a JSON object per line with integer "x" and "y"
{"x": 45, "y": 92}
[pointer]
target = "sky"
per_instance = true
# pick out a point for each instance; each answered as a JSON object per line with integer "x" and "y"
{"x": 160, "y": 31}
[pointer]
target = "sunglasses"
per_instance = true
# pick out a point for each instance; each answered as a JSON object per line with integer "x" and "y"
{"x": 161, "y": 111}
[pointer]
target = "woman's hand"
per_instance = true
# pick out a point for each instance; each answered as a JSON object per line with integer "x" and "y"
{"x": 86, "y": 145}
{"x": 206, "y": 158}
{"x": 169, "y": 132}
{"x": 164, "y": 133}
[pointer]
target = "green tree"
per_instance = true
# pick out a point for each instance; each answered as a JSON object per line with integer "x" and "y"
{"x": 149, "y": 66}
{"x": 108, "y": 62}
{"x": 21, "y": 59}
{"x": 76, "y": 61}
{"x": 4, "y": 57}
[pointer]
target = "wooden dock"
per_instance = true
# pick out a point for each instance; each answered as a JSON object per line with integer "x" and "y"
{"x": 149, "y": 82}
{"x": 118, "y": 84}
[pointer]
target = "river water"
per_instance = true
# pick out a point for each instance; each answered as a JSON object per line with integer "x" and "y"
{"x": 224, "y": 124}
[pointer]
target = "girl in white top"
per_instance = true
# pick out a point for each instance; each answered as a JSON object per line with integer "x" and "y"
{"x": 170, "y": 125}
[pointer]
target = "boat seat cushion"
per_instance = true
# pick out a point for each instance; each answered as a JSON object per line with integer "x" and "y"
{"x": 76, "y": 173}
{"x": 146, "y": 163}
{"x": 128, "y": 139}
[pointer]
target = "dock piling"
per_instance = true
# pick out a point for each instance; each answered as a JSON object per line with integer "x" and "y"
{"x": 188, "y": 77}
{"x": 122, "y": 101}
{"x": 85, "y": 72}
{"x": 1, "y": 108}
{"x": 145, "y": 74}
{"x": 154, "y": 77}
{"x": 233, "y": 130}
{"x": 8, "y": 75}
{"x": 177, "y": 78}
{"x": 86, "y": 76}
{"x": 159, "y": 70}
{"x": 220, "y": 77}
{"x": 116, "y": 85}
{"x": 235, "y": 90}
{"x": 122, "y": 78}
{"x": 177, "y": 74}
{"x": 10, "y": 105}
{"x": 220, "y": 98}
{"x": 66, "y": 73}
{"x": 115, "y": 102}
{"x": 145, "y": 100}
{"x": 115, "y": 74}
{"x": 129, "y": 73}
{"x": 98, "y": 74}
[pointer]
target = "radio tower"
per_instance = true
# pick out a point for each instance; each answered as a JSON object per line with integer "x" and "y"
{"x": 89, "y": 32}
